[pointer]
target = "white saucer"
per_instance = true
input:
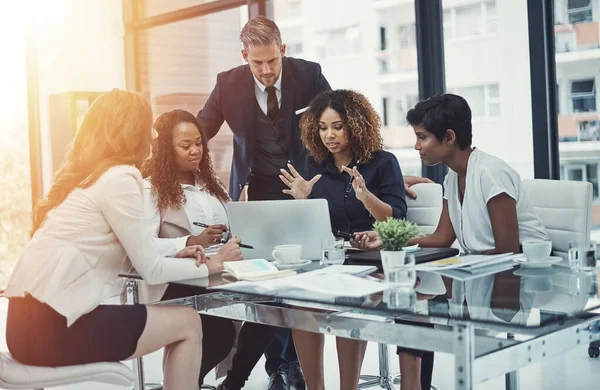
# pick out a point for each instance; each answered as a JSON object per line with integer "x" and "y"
{"x": 292, "y": 266}
{"x": 542, "y": 263}
{"x": 535, "y": 272}
{"x": 411, "y": 249}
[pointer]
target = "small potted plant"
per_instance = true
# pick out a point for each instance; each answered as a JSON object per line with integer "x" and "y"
{"x": 395, "y": 235}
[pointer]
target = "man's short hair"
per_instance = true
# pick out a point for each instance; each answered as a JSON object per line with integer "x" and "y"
{"x": 260, "y": 31}
{"x": 442, "y": 112}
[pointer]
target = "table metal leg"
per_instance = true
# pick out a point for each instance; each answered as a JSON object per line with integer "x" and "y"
{"x": 464, "y": 351}
{"x": 511, "y": 379}
{"x": 382, "y": 380}
{"x": 131, "y": 286}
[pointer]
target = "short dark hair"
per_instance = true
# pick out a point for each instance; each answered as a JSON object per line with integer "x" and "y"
{"x": 260, "y": 31}
{"x": 442, "y": 112}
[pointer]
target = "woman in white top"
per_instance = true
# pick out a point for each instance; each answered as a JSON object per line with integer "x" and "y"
{"x": 180, "y": 178}
{"x": 90, "y": 222}
{"x": 485, "y": 206}
{"x": 182, "y": 189}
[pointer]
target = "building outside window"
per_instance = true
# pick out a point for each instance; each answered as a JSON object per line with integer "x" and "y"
{"x": 471, "y": 20}
{"x": 583, "y": 171}
{"x": 589, "y": 130}
{"x": 579, "y": 11}
{"x": 403, "y": 104}
{"x": 407, "y": 36}
{"x": 583, "y": 95}
{"x": 484, "y": 100}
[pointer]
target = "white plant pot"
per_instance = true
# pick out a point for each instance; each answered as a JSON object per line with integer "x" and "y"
{"x": 399, "y": 269}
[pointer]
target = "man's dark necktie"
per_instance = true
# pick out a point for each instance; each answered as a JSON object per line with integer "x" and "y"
{"x": 272, "y": 105}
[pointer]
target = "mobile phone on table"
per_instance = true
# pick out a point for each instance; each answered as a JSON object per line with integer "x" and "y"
{"x": 345, "y": 235}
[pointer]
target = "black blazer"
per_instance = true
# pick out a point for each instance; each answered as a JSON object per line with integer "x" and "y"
{"x": 233, "y": 100}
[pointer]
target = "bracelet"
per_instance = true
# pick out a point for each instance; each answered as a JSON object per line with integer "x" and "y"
{"x": 369, "y": 208}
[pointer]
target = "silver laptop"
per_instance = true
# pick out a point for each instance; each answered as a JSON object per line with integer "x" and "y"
{"x": 265, "y": 224}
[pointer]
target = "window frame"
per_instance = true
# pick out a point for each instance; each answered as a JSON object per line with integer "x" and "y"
{"x": 582, "y": 95}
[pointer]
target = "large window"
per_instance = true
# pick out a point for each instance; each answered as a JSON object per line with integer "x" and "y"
{"x": 578, "y": 116}
{"x": 15, "y": 176}
{"x": 156, "y": 7}
{"x": 369, "y": 46}
{"x": 480, "y": 70}
{"x": 179, "y": 63}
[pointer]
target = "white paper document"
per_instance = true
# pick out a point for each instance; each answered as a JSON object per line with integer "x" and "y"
{"x": 465, "y": 262}
{"x": 470, "y": 266}
{"x": 333, "y": 281}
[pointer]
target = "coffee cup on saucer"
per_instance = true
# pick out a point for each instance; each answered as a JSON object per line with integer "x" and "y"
{"x": 536, "y": 250}
{"x": 287, "y": 254}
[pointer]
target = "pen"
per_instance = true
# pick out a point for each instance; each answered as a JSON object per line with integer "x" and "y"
{"x": 223, "y": 241}
{"x": 240, "y": 244}
{"x": 349, "y": 188}
{"x": 302, "y": 110}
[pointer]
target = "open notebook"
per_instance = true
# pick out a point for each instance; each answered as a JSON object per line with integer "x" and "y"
{"x": 254, "y": 270}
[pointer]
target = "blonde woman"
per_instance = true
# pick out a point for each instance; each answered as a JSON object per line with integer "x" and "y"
{"x": 90, "y": 222}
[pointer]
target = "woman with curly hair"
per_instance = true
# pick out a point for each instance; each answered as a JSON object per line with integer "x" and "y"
{"x": 182, "y": 192}
{"x": 341, "y": 130}
{"x": 180, "y": 178}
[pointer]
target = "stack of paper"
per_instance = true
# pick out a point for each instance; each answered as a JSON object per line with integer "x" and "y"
{"x": 470, "y": 266}
{"x": 333, "y": 281}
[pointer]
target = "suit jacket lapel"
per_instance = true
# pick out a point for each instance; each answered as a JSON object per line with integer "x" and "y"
{"x": 287, "y": 101}
{"x": 174, "y": 223}
{"x": 248, "y": 102}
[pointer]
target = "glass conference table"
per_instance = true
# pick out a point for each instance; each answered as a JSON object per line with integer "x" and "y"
{"x": 494, "y": 324}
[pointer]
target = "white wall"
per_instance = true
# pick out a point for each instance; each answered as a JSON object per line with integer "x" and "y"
{"x": 80, "y": 48}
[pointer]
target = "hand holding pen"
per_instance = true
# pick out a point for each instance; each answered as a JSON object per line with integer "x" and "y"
{"x": 218, "y": 238}
{"x": 208, "y": 237}
{"x": 358, "y": 183}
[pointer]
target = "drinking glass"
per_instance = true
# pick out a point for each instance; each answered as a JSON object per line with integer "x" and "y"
{"x": 333, "y": 251}
{"x": 400, "y": 298}
{"x": 583, "y": 256}
{"x": 399, "y": 268}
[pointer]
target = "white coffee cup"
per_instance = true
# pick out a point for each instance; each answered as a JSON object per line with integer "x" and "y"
{"x": 288, "y": 254}
{"x": 537, "y": 250}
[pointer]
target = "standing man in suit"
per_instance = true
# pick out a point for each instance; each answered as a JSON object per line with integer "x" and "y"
{"x": 259, "y": 103}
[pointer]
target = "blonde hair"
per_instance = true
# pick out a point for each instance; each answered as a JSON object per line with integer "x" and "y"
{"x": 115, "y": 131}
{"x": 260, "y": 31}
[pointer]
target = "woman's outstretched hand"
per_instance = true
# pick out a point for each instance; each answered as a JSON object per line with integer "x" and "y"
{"x": 298, "y": 187}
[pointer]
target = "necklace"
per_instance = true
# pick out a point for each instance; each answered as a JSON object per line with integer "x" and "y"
{"x": 339, "y": 167}
{"x": 461, "y": 190}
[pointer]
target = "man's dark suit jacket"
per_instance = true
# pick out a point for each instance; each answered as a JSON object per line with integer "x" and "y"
{"x": 233, "y": 100}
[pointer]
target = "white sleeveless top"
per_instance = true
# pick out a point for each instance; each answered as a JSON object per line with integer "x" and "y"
{"x": 487, "y": 177}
